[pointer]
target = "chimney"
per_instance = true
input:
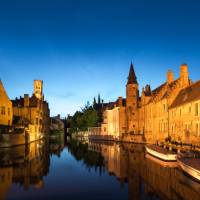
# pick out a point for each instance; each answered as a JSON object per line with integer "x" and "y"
{"x": 148, "y": 90}
{"x": 26, "y": 100}
{"x": 184, "y": 75}
{"x": 170, "y": 76}
{"x": 120, "y": 101}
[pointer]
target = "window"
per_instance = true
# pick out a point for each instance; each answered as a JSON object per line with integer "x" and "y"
{"x": 196, "y": 109}
{"x": 37, "y": 121}
{"x": 3, "y": 110}
{"x": 197, "y": 129}
{"x": 8, "y": 111}
{"x": 165, "y": 107}
{"x": 189, "y": 109}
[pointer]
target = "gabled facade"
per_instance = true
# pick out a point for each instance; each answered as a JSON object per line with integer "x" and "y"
{"x": 6, "y": 111}
{"x": 154, "y": 108}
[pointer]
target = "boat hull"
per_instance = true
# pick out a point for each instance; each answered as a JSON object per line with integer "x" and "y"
{"x": 163, "y": 163}
{"x": 165, "y": 157}
{"x": 189, "y": 170}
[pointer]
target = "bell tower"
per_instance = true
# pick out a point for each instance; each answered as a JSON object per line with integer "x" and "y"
{"x": 38, "y": 89}
{"x": 132, "y": 95}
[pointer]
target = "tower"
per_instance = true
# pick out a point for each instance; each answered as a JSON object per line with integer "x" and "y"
{"x": 132, "y": 94}
{"x": 38, "y": 89}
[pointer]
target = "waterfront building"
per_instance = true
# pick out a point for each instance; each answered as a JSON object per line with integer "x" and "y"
{"x": 184, "y": 115}
{"x": 6, "y": 111}
{"x": 169, "y": 112}
{"x": 32, "y": 112}
{"x": 57, "y": 124}
{"x": 114, "y": 120}
{"x": 155, "y": 105}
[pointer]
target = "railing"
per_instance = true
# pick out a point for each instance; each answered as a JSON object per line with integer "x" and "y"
{"x": 94, "y": 131}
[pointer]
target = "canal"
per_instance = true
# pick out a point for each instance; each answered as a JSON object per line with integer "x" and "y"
{"x": 90, "y": 170}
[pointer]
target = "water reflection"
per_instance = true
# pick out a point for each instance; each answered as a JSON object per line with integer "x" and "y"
{"x": 139, "y": 175}
{"x": 24, "y": 165}
{"x": 147, "y": 177}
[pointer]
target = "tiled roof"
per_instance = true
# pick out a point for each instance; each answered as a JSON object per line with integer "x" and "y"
{"x": 168, "y": 89}
{"x": 187, "y": 95}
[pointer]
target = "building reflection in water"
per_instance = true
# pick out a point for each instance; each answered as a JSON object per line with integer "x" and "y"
{"x": 146, "y": 177}
{"x": 23, "y": 165}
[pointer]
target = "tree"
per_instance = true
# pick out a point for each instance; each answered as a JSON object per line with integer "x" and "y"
{"x": 94, "y": 102}
{"x": 89, "y": 116}
{"x": 99, "y": 99}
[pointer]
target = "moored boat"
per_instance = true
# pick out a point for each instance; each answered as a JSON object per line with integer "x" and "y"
{"x": 191, "y": 166}
{"x": 185, "y": 154}
{"x": 161, "y": 153}
{"x": 163, "y": 163}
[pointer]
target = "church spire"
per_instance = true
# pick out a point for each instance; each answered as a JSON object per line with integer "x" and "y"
{"x": 132, "y": 79}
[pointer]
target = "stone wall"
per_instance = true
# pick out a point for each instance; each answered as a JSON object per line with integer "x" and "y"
{"x": 8, "y": 140}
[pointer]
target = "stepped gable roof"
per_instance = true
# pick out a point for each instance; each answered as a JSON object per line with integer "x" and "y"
{"x": 132, "y": 79}
{"x": 169, "y": 89}
{"x": 18, "y": 102}
{"x": 123, "y": 102}
{"x": 159, "y": 89}
{"x": 109, "y": 105}
{"x": 188, "y": 94}
{"x": 156, "y": 92}
{"x": 33, "y": 101}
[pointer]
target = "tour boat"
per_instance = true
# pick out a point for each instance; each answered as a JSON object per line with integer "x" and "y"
{"x": 190, "y": 166}
{"x": 161, "y": 153}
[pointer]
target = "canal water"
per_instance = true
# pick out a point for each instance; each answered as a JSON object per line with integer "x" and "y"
{"x": 90, "y": 170}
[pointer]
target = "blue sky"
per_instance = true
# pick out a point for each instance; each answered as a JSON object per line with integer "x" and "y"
{"x": 82, "y": 48}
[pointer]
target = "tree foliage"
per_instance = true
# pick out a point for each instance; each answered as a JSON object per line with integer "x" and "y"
{"x": 82, "y": 120}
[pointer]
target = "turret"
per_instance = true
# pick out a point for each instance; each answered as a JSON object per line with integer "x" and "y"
{"x": 132, "y": 79}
